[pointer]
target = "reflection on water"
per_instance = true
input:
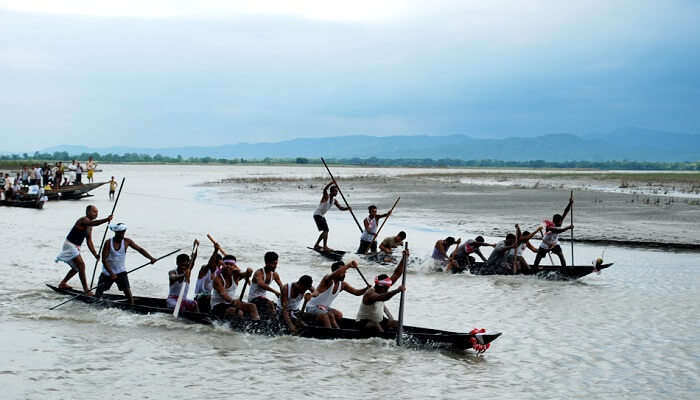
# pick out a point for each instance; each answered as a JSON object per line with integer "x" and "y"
{"x": 606, "y": 336}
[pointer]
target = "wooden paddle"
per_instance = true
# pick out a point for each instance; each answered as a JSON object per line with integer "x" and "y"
{"x": 215, "y": 243}
{"x": 399, "y": 331}
{"x": 341, "y": 195}
{"x": 97, "y": 260}
{"x": 572, "y": 228}
{"x": 185, "y": 284}
{"x": 223, "y": 253}
{"x": 135, "y": 269}
{"x": 384, "y": 222}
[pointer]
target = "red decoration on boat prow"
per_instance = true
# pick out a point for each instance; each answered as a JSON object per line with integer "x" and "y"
{"x": 480, "y": 348}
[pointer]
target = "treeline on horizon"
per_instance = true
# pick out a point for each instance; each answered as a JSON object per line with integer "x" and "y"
{"x": 17, "y": 160}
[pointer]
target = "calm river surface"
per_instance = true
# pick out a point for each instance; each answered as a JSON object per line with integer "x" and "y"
{"x": 631, "y": 332}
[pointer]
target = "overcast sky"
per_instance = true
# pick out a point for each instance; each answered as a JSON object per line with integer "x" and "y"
{"x": 172, "y": 73}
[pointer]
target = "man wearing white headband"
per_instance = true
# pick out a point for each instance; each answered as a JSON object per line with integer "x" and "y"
{"x": 224, "y": 301}
{"x": 114, "y": 262}
{"x": 370, "y": 316}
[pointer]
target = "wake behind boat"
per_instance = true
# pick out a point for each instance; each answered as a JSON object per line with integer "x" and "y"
{"x": 413, "y": 336}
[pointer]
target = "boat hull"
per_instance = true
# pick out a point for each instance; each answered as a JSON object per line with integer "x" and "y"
{"x": 413, "y": 336}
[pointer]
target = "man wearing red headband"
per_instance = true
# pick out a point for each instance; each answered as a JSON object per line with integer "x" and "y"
{"x": 370, "y": 316}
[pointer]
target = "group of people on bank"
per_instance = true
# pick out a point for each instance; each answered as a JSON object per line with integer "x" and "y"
{"x": 46, "y": 177}
{"x": 295, "y": 303}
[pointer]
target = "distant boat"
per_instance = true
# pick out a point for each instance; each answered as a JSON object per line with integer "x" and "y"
{"x": 72, "y": 192}
{"x": 25, "y": 202}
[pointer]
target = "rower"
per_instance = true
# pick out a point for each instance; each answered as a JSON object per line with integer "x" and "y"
{"x": 224, "y": 301}
{"x": 367, "y": 240}
{"x": 550, "y": 240}
{"x": 205, "y": 279}
{"x": 289, "y": 301}
{"x": 520, "y": 265}
{"x": 442, "y": 246}
{"x": 113, "y": 260}
{"x": 319, "y": 307}
{"x": 327, "y": 201}
{"x": 389, "y": 244}
{"x": 461, "y": 258}
{"x": 497, "y": 263}
{"x": 370, "y": 316}
{"x": 260, "y": 285}
{"x": 70, "y": 253}
{"x": 178, "y": 277}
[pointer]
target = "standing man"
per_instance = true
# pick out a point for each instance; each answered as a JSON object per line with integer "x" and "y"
{"x": 113, "y": 262}
{"x": 260, "y": 285}
{"x": 367, "y": 241}
{"x": 112, "y": 188}
{"x": 70, "y": 253}
{"x": 370, "y": 316}
{"x": 327, "y": 201}
{"x": 290, "y": 299}
{"x": 550, "y": 241}
{"x": 91, "y": 165}
{"x": 60, "y": 170}
{"x": 330, "y": 287}
{"x": 78, "y": 174}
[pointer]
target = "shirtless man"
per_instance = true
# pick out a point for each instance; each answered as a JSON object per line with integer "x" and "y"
{"x": 70, "y": 253}
{"x": 461, "y": 258}
{"x": 224, "y": 302}
{"x": 260, "y": 285}
{"x": 290, "y": 299}
{"x": 550, "y": 241}
{"x": 114, "y": 262}
{"x": 367, "y": 240}
{"x": 370, "y": 316}
{"x": 442, "y": 246}
{"x": 91, "y": 165}
{"x": 327, "y": 201}
{"x": 319, "y": 307}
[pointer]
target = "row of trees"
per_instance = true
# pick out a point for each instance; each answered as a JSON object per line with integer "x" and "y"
{"x": 373, "y": 161}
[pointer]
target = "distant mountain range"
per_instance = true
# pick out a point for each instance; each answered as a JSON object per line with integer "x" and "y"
{"x": 622, "y": 144}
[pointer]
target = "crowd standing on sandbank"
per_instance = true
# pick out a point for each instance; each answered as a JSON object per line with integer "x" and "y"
{"x": 36, "y": 178}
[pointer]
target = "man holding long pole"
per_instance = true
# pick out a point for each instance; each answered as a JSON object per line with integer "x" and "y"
{"x": 327, "y": 201}
{"x": 70, "y": 253}
{"x": 114, "y": 262}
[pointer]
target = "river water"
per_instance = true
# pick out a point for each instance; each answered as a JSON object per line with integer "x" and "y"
{"x": 630, "y": 332}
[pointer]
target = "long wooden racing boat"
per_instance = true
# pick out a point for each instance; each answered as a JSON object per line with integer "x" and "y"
{"x": 548, "y": 272}
{"x": 72, "y": 192}
{"x": 413, "y": 336}
{"x": 37, "y": 202}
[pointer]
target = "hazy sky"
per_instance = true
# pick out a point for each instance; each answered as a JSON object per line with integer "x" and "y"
{"x": 171, "y": 73}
